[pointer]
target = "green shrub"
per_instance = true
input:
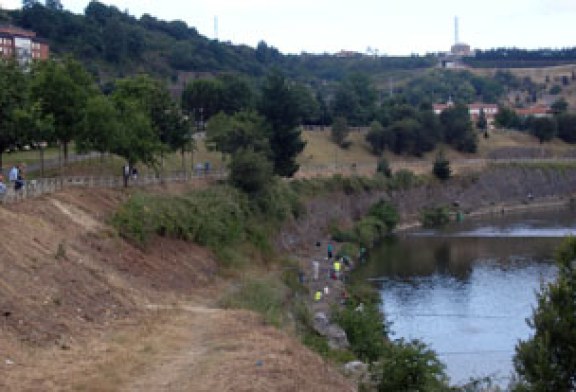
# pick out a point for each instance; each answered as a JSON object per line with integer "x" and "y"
{"x": 349, "y": 249}
{"x": 340, "y": 235}
{"x": 409, "y": 366}
{"x": 435, "y": 216}
{"x": 250, "y": 171}
{"x": 383, "y": 167}
{"x": 441, "y": 168}
{"x": 262, "y": 296}
{"x": 403, "y": 179}
{"x": 212, "y": 217}
{"x": 364, "y": 328}
{"x": 386, "y": 213}
{"x": 368, "y": 230}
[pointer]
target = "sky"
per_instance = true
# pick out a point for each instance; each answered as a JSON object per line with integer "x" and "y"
{"x": 392, "y": 27}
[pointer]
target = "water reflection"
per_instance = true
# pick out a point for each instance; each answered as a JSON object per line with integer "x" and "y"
{"x": 468, "y": 289}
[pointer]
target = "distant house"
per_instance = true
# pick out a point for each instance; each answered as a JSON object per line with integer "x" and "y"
{"x": 535, "y": 111}
{"x": 474, "y": 109}
{"x": 347, "y": 53}
{"x": 22, "y": 45}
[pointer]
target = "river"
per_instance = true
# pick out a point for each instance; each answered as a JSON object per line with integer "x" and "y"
{"x": 466, "y": 290}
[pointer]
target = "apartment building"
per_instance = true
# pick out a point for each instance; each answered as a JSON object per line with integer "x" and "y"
{"x": 22, "y": 45}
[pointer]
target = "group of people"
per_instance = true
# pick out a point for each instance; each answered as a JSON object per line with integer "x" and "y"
{"x": 338, "y": 265}
{"x": 16, "y": 177}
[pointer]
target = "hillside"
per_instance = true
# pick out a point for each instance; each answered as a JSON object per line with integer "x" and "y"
{"x": 84, "y": 310}
{"x": 112, "y": 43}
{"x": 562, "y": 76}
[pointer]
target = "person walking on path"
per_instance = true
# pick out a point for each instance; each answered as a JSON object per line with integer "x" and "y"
{"x": 315, "y": 269}
{"x": 19, "y": 182}
{"x": 330, "y": 250}
{"x": 13, "y": 173}
{"x": 337, "y": 268}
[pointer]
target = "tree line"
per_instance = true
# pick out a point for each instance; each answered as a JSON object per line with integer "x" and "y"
{"x": 137, "y": 119}
{"x": 110, "y": 41}
{"x": 559, "y": 123}
{"x": 516, "y": 57}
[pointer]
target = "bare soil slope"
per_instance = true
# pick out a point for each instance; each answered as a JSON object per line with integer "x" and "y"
{"x": 82, "y": 309}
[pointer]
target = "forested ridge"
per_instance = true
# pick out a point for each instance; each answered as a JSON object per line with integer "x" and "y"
{"x": 113, "y": 43}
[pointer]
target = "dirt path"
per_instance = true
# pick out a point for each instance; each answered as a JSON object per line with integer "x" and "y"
{"x": 187, "y": 347}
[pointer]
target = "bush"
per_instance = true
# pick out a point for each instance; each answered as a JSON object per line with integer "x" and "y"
{"x": 386, "y": 213}
{"x": 383, "y": 167}
{"x": 340, "y": 131}
{"x": 409, "y": 366}
{"x": 368, "y": 230}
{"x": 213, "y": 217}
{"x": 547, "y": 361}
{"x": 403, "y": 179}
{"x": 364, "y": 328}
{"x": 435, "y": 216}
{"x": 441, "y": 168}
{"x": 250, "y": 171}
{"x": 264, "y": 297}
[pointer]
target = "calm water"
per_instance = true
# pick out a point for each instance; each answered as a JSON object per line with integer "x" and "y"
{"x": 467, "y": 290}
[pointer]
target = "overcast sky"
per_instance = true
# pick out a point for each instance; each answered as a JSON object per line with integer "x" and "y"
{"x": 393, "y": 27}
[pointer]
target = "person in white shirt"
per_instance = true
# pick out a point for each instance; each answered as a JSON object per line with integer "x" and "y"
{"x": 13, "y": 173}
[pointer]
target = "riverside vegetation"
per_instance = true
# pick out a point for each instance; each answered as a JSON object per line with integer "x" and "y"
{"x": 237, "y": 226}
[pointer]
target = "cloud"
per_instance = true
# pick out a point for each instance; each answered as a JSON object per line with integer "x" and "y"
{"x": 557, "y": 6}
{"x": 10, "y": 4}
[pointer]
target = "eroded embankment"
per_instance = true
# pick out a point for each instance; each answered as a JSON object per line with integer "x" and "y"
{"x": 492, "y": 190}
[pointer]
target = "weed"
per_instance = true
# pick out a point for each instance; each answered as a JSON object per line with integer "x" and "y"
{"x": 262, "y": 296}
{"x": 61, "y": 251}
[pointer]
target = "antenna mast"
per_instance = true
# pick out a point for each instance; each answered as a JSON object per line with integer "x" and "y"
{"x": 456, "y": 32}
{"x": 216, "y": 28}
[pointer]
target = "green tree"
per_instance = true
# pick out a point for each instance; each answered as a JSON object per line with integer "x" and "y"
{"x": 409, "y": 366}
{"x": 250, "y": 171}
{"x": 166, "y": 119}
{"x": 339, "y": 131}
{"x": 35, "y": 128}
{"x": 236, "y": 94}
{"x": 308, "y": 106}
{"x": 13, "y": 87}
{"x": 365, "y": 329}
{"x": 278, "y": 105}
{"x": 375, "y": 137}
{"x": 355, "y": 100}
{"x": 547, "y": 360}
{"x": 507, "y": 118}
{"x": 135, "y": 139}
{"x": 482, "y": 122}
{"x": 243, "y": 130}
{"x": 63, "y": 90}
{"x": 567, "y": 127}
{"x": 458, "y": 131}
{"x": 544, "y": 128}
{"x": 559, "y": 106}
{"x": 385, "y": 213}
{"x": 441, "y": 168}
{"x": 383, "y": 167}
{"x": 203, "y": 98}
{"x": 100, "y": 126}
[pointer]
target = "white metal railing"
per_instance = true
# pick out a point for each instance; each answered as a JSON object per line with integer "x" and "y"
{"x": 41, "y": 186}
